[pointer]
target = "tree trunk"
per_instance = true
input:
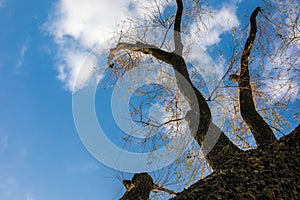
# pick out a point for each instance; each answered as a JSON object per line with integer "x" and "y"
{"x": 272, "y": 172}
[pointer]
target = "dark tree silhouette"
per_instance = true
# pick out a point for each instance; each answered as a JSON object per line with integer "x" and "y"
{"x": 271, "y": 171}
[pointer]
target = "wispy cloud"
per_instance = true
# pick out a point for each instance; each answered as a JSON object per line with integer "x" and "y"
{"x": 283, "y": 88}
{"x": 209, "y": 32}
{"x": 283, "y": 81}
{"x": 22, "y": 54}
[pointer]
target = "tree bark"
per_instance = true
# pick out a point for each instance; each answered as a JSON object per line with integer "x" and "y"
{"x": 138, "y": 188}
{"x": 272, "y": 172}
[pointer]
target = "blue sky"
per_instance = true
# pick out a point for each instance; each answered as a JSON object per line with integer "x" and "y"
{"x": 41, "y": 155}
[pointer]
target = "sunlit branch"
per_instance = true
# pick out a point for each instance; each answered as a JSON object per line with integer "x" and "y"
{"x": 261, "y": 131}
{"x": 160, "y": 188}
{"x": 160, "y": 125}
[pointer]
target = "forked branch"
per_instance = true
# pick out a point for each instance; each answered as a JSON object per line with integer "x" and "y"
{"x": 216, "y": 153}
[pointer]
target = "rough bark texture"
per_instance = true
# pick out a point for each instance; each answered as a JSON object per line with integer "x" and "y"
{"x": 138, "y": 188}
{"x": 272, "y": 172}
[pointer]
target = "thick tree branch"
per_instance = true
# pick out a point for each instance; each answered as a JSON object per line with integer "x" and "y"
{"x": 179, "y": 66}
{"x": 217, "y": 148}
{"x": 144, "y": 48}
{"x": 138, "y": 188}
{"x": 177, "y": 28}
{"x": 259, "y": 128}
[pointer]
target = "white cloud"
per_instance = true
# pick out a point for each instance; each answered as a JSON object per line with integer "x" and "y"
{"x": 79, "y": 25}
{"x": 88, "y": 22}
{"x": 92, "y": 22}
{"x": 22, "y": 54}
{"x": 283, "y": 88}
{"x": 223, "y": 20}
{"x": 282, "y": 82}
{"x": 77, "y": 68}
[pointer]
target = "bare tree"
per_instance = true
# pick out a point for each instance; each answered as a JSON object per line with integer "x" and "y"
{"x": 268, "y": 171}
